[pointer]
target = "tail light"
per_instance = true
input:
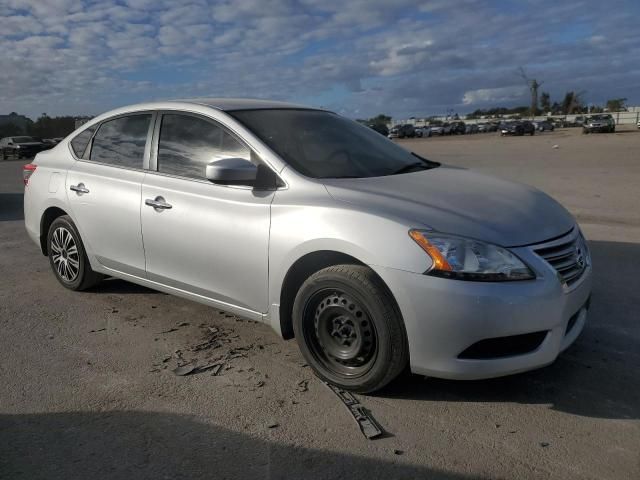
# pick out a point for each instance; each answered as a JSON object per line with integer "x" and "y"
{"x": 27, "y": 171}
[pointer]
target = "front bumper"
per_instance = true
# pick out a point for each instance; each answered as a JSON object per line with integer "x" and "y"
{"x": 445, "y": 317}
{"x": 597, "y": 128}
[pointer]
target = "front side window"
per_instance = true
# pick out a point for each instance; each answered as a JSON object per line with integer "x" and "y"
{"x": 80, "y": 142}
{"x": 121, "y": 141}
{"x": 187, "y": 144}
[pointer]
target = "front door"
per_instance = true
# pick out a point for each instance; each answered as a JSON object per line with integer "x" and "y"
{"x": 211, "y": 240}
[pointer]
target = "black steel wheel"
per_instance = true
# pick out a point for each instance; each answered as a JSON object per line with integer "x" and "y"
{"x": 349, "y": 328}
{"x": 343, "y": 337}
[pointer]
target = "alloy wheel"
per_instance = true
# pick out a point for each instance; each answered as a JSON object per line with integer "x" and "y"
{"x": 65, "y": 255}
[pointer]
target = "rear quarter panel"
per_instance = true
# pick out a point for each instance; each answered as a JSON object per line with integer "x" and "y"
{"x": 46, "y": 187}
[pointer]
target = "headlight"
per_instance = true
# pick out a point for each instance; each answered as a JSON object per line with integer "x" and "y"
{"x": 466, "y": 259}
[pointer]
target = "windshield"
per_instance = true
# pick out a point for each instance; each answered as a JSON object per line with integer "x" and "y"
{"x": 325, "y": 145}
{"x": 23, "y": 139}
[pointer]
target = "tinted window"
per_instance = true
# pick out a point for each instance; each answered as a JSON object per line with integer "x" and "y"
{"x": 80, "y": 142}
{"x": 121, "y": 141}
{"x": 325, "y": 145}
{"x": 188, "y": 144}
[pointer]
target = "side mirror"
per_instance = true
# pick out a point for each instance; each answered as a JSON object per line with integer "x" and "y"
{"x": 231, "y": 171}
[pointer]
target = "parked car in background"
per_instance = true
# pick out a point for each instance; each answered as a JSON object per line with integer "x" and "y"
{"x": 638, "y": 124}
{"x": 484, "y": 127}
{"x": 20, "y": 147}
{"x": 602, "y": 123}
{"x": 458, "y": 128}
{"x": 517, "y": 128}
{"x": 471, "y": 128}
{"x": 402, "y": 131}
{"x": 374, "y": 259}
{"x": 436, "y": 129}
{"x": 50, "y": 142}
{"x": 381, "y": 129}
{"x": 543, "y": 126}
{"x": 423, "y": 132}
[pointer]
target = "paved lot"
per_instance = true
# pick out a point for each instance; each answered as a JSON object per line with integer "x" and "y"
{"x": 86, "y": 388}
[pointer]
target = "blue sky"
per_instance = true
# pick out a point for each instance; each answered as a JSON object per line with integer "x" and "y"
{"x": 357, "y": 57}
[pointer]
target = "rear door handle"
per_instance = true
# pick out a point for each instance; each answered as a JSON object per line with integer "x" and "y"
{"x": 158, "y": 203}
{"x": 79, "y": 189}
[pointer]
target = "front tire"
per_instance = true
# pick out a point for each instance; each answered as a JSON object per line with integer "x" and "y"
{"x": 67, "y": 256}
{"x": 349, "y": 328}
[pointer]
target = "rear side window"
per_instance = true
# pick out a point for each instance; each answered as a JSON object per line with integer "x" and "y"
{"x": 80, "y": 142}
{"x": 121, "y": 141}
{"x": 187, "y": 144}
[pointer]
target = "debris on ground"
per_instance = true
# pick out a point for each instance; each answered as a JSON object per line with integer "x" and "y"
{"x": 398, "y": 452}
{"x": 369, "y": 427}
{"x": 303, "y": 385}
{"x": 168, "y": 331}
{"x": 273, "y": 424}
{"x": 555, "y": 146}
{"x": 544, "y": 444}
{"x": 190, "y": 369}
{"x": 98, "y": 330}
{"x": 183, "y": 324}
{"x": 184, "y": 370}
{"x": 215, "y": 371}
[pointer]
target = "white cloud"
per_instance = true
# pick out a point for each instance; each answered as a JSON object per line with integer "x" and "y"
{"x": 498, "y": 96}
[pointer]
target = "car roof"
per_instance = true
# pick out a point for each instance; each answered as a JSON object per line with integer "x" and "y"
{"x": 230, "y": 104}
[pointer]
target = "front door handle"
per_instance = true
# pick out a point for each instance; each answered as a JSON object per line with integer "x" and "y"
{"x": 158, "y": 203}
{"x": 79, "y": 189}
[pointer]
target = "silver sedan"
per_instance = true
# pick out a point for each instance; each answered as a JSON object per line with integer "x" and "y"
{"x": 373, "y": 257}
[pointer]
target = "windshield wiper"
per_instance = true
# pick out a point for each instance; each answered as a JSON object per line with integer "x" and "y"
{"x": 411, "y": 167}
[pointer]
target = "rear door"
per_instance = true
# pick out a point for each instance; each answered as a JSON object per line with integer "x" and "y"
{"x": 104, "y": 187}
{"x": 211, "y": 240}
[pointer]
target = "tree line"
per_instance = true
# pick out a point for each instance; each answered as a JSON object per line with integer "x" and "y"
{"x": 44, "y": 127}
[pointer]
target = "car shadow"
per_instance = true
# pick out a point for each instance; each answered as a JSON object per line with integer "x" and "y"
{"x": 134, "y": 444}
{"x": 595, "y": 377}
{"x": 11, "y": 208}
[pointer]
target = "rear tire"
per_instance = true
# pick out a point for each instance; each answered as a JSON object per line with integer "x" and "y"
{"x": 67, "y": 256}
{"x": 349, "y": 328}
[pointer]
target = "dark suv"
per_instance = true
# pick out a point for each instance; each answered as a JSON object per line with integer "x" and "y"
{"x": 19, "y": 147}
{"x": 517, "y": 128}
{"x": 402, "y": 131}
{"x": 458, "y": 128}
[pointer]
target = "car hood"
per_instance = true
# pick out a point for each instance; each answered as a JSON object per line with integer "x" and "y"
{"x": 461, "y": 202}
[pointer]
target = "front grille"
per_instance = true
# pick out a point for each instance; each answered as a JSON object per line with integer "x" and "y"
{"x": 567, "y": 255}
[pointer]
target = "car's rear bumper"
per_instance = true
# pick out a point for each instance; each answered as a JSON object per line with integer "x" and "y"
{"x": 445, "y": 317}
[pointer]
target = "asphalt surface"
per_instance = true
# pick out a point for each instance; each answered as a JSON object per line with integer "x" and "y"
{"x": 87, "y": 388}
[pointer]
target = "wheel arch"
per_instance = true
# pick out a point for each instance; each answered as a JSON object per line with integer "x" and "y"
{"x": 49, "y": 215}
{"x": 303, "y": 268}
